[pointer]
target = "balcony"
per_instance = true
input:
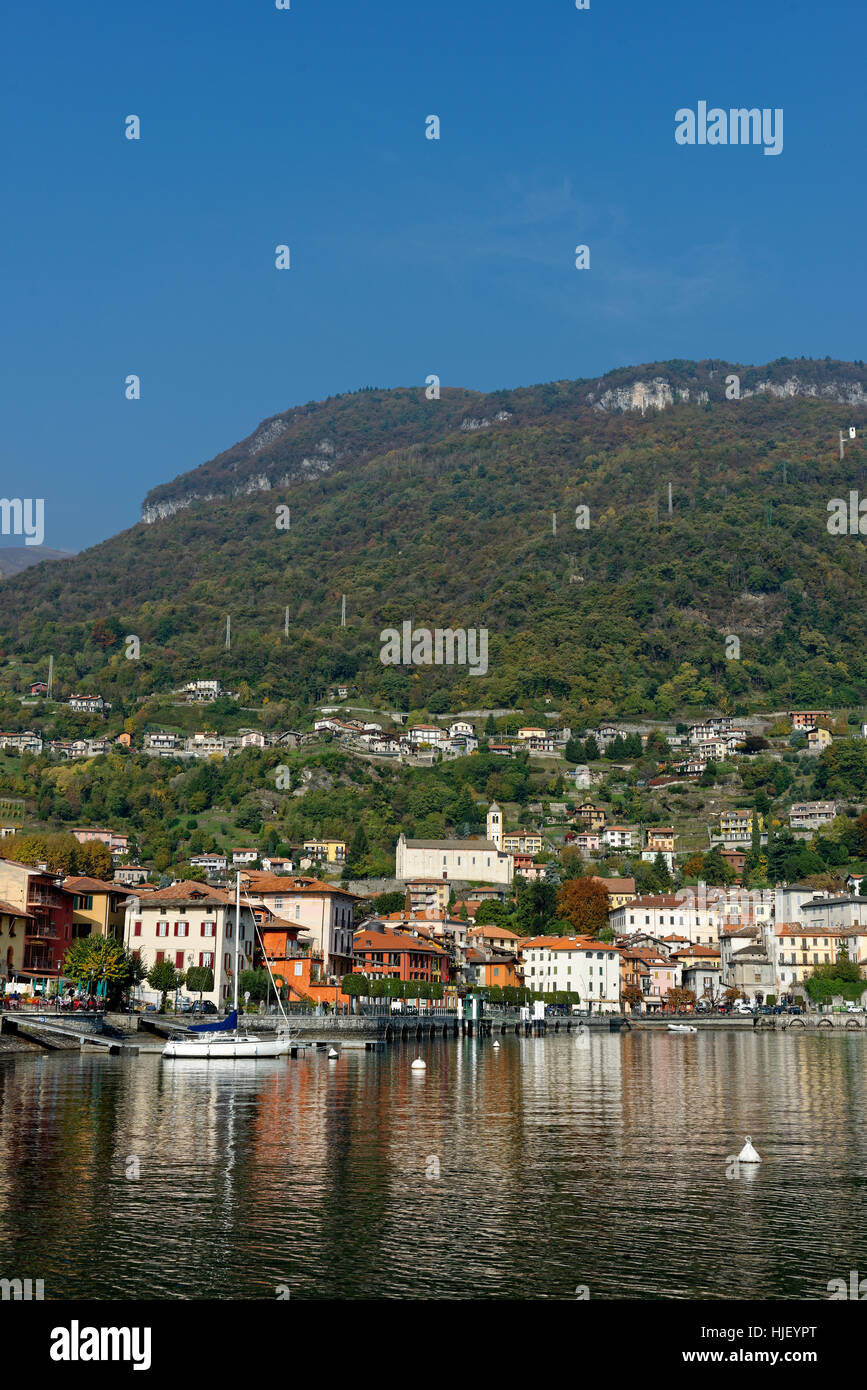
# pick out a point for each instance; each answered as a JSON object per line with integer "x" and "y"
{"x": 39, "y": 964}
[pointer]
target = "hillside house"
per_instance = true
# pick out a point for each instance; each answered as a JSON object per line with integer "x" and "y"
{"x": 811, "y": 815}
{"x": 88, "y": 704}
{"x": 804, "y": 719}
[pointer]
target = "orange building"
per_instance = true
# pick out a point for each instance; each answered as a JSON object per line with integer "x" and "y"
{"x": 384, "y": 953}
{"x": 492, "y": 968}
{"x": 295, "y": 962}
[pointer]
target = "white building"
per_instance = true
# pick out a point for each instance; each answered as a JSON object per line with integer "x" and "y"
{"x": 26, "y": 742}
{"x": 461, "y": 728}
{"x": 649, "y": 857}
{"x": 191, "y": 924}
{"x": 589, "y": 968}
{"x": 244, "y": 856}
{"x": 162, "y": 742}
{"x": 834, "y": 913}
{"x": 618, "y": 837}
{"x": 699, "y": 914}
{"x": 211, "y": 863}
{"x": 452, "y": 860}
{"x": 88, "y": 704}
{"x": 199, "y": 692}
{"x": 494, "y": 825}
{"x": 275, "y": 864}
{"x": 427, "y": 733}
{"x": 203, "y": 744}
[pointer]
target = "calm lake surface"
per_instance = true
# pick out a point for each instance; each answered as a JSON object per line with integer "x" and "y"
{"x": 560, "y": 1164}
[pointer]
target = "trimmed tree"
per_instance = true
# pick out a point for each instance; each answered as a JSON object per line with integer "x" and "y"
{"x": 200, "y": 980}
{"x": 355, "y": 986}
{"x": 164, "y": 977}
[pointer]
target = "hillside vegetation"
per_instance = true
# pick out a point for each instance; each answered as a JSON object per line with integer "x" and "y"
{"x": 423, "y": 512}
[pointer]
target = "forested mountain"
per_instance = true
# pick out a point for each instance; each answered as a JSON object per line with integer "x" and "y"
{"x": 441, "y": 512}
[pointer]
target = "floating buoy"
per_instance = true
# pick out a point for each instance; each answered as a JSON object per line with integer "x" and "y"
{"x": 496, "y": 1044}
{"x": 748, "y": 1153}
{"x": 419, "y": 1065}
{"x": 332, "y": 1054}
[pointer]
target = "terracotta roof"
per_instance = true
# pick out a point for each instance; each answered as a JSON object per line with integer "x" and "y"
{"x": 658, "y": 900}
{"x": 95, "y": 885}
{"x": 468, "y": 844}
{"x": 188, "y": 892}
{"x": 567, "y": 943}
{"x": 388, "y": 940}
{"x": 491, "y": 930}
{"x": 798, "y": 929}
{"x": 13, "y": 910}
{"x": 261, "y": 882}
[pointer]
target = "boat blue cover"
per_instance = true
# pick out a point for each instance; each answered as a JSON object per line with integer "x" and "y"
{"x": 225, "y": 1025}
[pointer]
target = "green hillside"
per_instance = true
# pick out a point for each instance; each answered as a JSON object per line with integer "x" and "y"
{"x": 425, "y": 513}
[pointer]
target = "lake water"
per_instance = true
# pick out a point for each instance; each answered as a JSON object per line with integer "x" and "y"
{"x": 523, "y": 1172}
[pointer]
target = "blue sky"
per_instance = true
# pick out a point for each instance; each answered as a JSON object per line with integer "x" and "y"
{"x": 409, "y": 256}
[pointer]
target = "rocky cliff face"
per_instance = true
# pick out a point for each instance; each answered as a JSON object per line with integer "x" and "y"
{"x": 315, "y": 439}
{"x": 659, "y": 393}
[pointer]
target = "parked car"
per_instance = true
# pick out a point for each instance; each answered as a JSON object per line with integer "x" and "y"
{"x": 741, "y": 1007}
{"x": 853, "y": 1008}
{"x": 795, "y": 1009}
{"x": 206, "y": 1007}
{"x": 766, "y": 1009}
{"x": 779, "y": 1008}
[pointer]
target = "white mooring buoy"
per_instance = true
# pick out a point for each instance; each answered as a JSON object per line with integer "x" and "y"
{"x": 748, "y": 1153}
{"x": 496, "y": 1044}
{"x": 419, "y": 1065}
{"x": 332, "y": 1054}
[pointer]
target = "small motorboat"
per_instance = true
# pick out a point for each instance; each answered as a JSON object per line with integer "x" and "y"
{"x": 681, "y": 1028}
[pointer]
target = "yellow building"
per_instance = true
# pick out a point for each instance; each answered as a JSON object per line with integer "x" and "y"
{"x": 619, "y": 890}
{"x": 591, "y": 817}
{"x": 660, "y": 839}
{"x": 98, "y": 908}
{"x": 738, "y": 825}
{"x": 817, "y": 739}
{"x": 522, "y": 842}
{"x": 331, "y": 851}
{"x": 12, "y": 923}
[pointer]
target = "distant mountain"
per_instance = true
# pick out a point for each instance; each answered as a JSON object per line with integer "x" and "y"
{"x": 443, "y": 513}
{"x": 14, "y": 559}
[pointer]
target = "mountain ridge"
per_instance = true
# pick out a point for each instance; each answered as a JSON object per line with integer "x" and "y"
{"x": 283, "y": 449}
{"x": 472, "y": 522}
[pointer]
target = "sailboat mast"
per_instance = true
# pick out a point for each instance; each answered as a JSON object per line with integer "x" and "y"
{"x": 237, "y": 932}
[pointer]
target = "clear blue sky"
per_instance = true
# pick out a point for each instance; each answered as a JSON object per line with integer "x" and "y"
{"x": 409, "y": 256}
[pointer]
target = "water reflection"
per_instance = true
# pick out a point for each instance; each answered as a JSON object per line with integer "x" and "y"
{"x": 520, "y": 1172}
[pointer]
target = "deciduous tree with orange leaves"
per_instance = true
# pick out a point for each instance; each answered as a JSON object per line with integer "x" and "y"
{"x": 583, "y": 902}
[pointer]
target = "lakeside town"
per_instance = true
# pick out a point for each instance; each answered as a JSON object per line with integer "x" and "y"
{"x": 562, "y": 899}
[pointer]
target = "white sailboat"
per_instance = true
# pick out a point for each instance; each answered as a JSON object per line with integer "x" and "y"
{"x": 223, "y": 1039}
